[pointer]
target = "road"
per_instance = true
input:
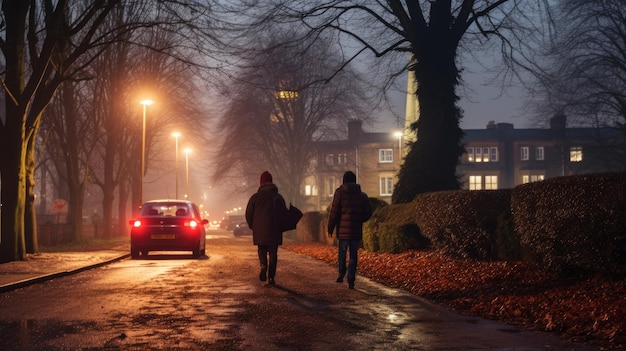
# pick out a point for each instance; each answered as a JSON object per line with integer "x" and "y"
{"x": 171, "y": 301}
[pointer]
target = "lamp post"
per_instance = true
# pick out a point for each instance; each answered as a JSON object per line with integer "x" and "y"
{"x": 176, "y": 135}
{"x": 145, "y": 104}
{"x": 187, "y": 151}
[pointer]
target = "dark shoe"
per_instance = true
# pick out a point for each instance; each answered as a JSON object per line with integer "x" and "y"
{"x": 263, "y": 274}
{"x": 350, "y": 285}
{"x": 271, "y": 282}
{"x": 340, "y": 277}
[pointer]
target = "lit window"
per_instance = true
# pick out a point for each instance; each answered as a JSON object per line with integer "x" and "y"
{"x": 536, "y": 178}
{"x": 307, "y": 190}
{"x": 386, "y": 186}
{"x": 385, "y": 155}
{"x": 539, "y": 153}
{"x": 524, "y": 153}
{"x": 491, "y": 182}
{"x": 330, "y": 181}
{"x": 342, "y": 159}
{"x": 475, "y": 182}
{"x": 485, "y": 154}
{"x": 527, "y": 178}
{"x": 576, "y": 154}
{"x": 482, "y": 154}
{"x": 494, "y": 154}
{"x": 330, "y": 159}
{"x": 286, "y": 94}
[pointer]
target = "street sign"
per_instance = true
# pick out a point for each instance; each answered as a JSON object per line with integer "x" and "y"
{"x": 59, "y": 206}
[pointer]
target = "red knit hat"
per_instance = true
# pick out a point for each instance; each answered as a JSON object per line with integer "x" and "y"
{"x": 266, "y": 177}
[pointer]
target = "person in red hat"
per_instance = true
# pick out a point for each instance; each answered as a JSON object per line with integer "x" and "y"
{"x": 263, "y": 212}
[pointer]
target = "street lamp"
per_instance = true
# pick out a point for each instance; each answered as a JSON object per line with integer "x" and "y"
{"x": 176, "y": 135}
{"x": 145, "y": 103}
{"x": 399, "y": 136}
{"x": 187, "y": 151}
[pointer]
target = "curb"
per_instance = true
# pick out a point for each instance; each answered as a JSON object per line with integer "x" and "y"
{"x": 46, "y": 277}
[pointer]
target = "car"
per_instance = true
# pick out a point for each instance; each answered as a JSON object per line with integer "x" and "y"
{"x": 242, "y": 229}
{"x": 168, "y": 225}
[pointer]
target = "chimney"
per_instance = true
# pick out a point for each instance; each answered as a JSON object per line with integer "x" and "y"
{"x": 355, "y": 129}
{"x": 559, "y": 121}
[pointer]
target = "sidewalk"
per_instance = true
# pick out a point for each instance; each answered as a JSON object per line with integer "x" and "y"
{"x": 44, "y": 266}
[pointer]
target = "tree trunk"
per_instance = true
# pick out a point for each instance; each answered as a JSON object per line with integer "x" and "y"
{"x": 30, "y": 216}
{"x": 430, "y": 164}
{"x": 107, "y": 208}
{"x": 13, "y": 175}
{"x": 121, "y": 209}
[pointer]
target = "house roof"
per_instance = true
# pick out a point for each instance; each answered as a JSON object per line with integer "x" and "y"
{"x": 506, "y": 132}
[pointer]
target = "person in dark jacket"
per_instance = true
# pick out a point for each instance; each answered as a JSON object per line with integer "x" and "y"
{"x": 349, "y": 209}
{"x": 264, "y": 209}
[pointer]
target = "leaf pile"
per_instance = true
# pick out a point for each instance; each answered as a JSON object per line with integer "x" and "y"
{"x": 589, "y": 310}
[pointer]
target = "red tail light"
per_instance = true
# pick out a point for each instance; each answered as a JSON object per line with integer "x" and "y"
{"x": 192, "y": 224}
{"x": 137, "y": 223}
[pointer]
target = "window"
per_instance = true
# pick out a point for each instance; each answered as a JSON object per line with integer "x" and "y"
{"x": 491, "y": 182}
{"x": 528, "y": 178}
{"x": 482, "y": 154}
{"x": 479, "y": 154}
{"x": 494, "y": 154}
{"x": 539, "y": 153}
{"x": 524, "y": 153}
{"x": 576, "y": 154}
{"x": 310, "y": 190}
{"x": 386, "y": 186}
{"x": 330, "y": 182}
{"x": 329, "y": 159}
{"x": 342, "y": 159}
{"x": 475, "y": 182}
{"x": 385, "y": 155}
{"x": 485, "y": 154}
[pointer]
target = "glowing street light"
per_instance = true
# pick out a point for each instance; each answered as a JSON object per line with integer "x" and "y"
{"x": 176, "y": 135}
{"x": 145, "y": 103}
{"x": 187, "y": 151}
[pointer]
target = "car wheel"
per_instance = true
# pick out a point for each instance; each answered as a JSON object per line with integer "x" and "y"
{"x": 144, "y": 252}
{"x": 134, "y": 253}
{"x": 196, "y": 251}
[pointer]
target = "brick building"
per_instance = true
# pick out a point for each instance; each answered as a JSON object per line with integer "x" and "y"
{"x": 372, "y": 156}
{"x": 496, "y": 157}
{"x": 501, "y": 156}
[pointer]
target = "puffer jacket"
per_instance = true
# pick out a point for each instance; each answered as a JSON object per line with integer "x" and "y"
{"x": 350, "y": 208}
{"x": 262, "y": 213}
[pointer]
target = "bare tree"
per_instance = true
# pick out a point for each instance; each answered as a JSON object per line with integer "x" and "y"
{"x": 585, "y": 64}
{"x": 431, "y": 33}
{"x": 42, "y": 43}
{"x": 279, "y": 106}
{"x": 72, "y": 138}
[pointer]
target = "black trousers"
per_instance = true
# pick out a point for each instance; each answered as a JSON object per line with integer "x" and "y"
{"x": 272, "y": 251}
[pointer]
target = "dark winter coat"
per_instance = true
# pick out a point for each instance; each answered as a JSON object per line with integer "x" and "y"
{"x": 262, "y": 213}
{"x": 350, "y": 208}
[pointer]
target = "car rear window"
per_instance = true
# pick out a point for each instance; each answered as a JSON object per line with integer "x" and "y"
{"x": 166, "y": 209}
